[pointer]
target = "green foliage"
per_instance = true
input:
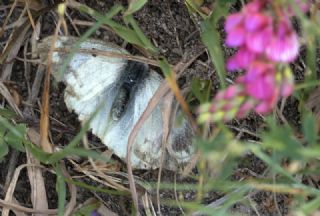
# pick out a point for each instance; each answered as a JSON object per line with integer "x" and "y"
{"x": 310, "y": 129}
{"x": 212, "y": 40}
{"x": 134, "y": 6}
{"x": 10, "y": 135}
{"x": 61, "y": 190}
{"x": 281, "y": 140}
{"x": 201, "y": 89}
{"x": 86, "y": 209}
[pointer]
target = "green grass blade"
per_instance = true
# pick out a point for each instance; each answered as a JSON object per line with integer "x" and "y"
{"x": 211, "y": 39}
{"x": 134, "y": 6}
{"x": 61, "y": 190}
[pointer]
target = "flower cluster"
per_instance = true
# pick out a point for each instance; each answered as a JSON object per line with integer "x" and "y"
{"x": 265, "y": 46}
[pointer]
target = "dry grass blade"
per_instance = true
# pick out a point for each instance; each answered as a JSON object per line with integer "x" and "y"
{"x": 73, "y": 191}
{"x": 38, "y": 191}
{"x": 35, "y": 38}
{"x": 44, "y": 119}
{"x": 13, "y": 206}
{"x": 10, "y": 191}
{"x": 101, "y": 210}
{"x": 35, "y": 89}
{"x": 4, "y": 91}
{"x": 147, "y": 204}
{"x": 112, "y": 54}
{"x": 11, "y": 167}
{"x": 162, "y": 90}
{"x": 107, "y": 181}
{"x": 191, "y": 164}
{"x": 16, "y": 212}
{"x": 99, "y": 172}
{"x": 8, "y": 17}
{"x": 218, "y": 202}
{"x": 12, "y": 49}
{"x": 15, "y": 24}
{"x": 30, "y": 15}
{"x": 104, "y": 211}
{"x": 35, "y": 5}
{"x": 172, "y": 82}
{"x": 167, "y": 115}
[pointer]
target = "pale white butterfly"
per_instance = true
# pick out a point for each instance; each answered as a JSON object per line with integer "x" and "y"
{"x": 122, "y": 90}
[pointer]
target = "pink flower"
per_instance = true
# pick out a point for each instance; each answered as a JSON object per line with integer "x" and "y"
{"x": 284, "y": 44}
{"x": 263, "y": 108}
{"x": 258, "y": 69}
{"x": 263, "y": 88}
{"x": 233, "y": 21}
{"x": 256, "y": 21}
{"x": 256, "y": 32}
{"x": 257, "y": 41}
{"x": 264, "y": 43}
{"x": 236, "y": 37}
{"x": 241, "y": 59}
{"x": 245, "y": 108}
{"x": 283, "y": 49}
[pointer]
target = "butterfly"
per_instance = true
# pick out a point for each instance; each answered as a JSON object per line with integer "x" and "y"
{"x": 116, "y": 91}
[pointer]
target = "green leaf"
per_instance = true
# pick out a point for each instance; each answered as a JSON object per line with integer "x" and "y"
{"x": 55, "y": 157}
{"x": 211, "y": 39}
{"x": 270, "y": 162}
{"x": 4, "y": 149}
{"x": 311, "y": 207}
{"x": 225, "y": 2}
{"x": 87, "y": 209}
{"x": 6, "y": 124}
{"x": 133, "y": 36}
{"x": 165, "y": 67}
{"x": 201, "y": 89}
{"x": 309, "y": 127}
{"x": 37, "y": 152}
{"x": 216, "y": 144}
{"x": 97, "y": 189}
{"x": 128, "y": 35}
{"x": 134, "y": 6}
{"x": 7, "y": 113}
{"x": 193, "y": 7}
{"x": 146, "y": 42}
{"x": 61, "y": 190}
{"x": 282, "y": 141}
{"x": 13, "y": 140}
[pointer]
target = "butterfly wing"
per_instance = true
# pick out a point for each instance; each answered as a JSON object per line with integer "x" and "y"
{"x": 149, "y": 136}
{"x": 92, "y": 85}
{"x": 88, "y": 76}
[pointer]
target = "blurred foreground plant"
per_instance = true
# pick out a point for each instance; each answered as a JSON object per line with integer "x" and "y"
{"x": 267, "y": 43}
